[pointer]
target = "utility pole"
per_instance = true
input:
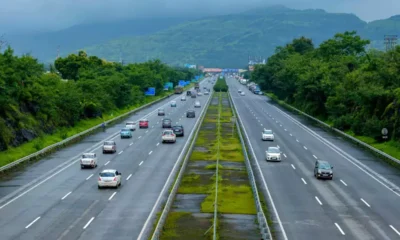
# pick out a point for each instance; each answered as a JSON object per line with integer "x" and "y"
{"x": 58, "y": 52}
{"x": 390, "y": 41}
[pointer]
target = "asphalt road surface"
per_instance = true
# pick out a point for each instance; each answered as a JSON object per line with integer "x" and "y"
{"x": 362, "y": 200}
{"x": 56, "y": 199}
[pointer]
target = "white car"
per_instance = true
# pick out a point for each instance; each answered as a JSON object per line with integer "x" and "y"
{"x": 197, "y": 104}
{"x": 109, "y": 178}
{"x": 168, "y": 136}
{"x": 273, "y": 154}
{"x": 89, "y": 160}
{"x": 109, "y": 146}
{"x": 199, "y": 94}
{"x": 206, "y": 93}
{"x": 183, "y": 98}
{"x": 268, "y": 135}
{"x": 130, "y": 125}
{"x": 173, "y": 103}
{"x": 242, "y": 94}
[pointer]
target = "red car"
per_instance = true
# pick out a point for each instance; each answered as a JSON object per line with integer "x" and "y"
{"x": 144, "y": 123}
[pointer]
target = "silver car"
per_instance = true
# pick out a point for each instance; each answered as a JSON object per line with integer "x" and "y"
{"x": 273, "y": 154}
{"x": 197, "y": 104}
{"x": 267, "y": 135}
{"x": 109, "y": 178}
{"x": 109, "y": 146}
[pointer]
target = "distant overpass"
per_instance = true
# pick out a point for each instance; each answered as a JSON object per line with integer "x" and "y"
{"x": 225, "y": 70}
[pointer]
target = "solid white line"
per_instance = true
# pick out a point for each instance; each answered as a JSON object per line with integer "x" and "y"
{"x": 293, "y": 166}
{"x": 88, "y": 223}
{"x": 66, "y": 195}
{"x": 30, "y": 224}
{"x": 304, "y": 181}
{"x": 112, "y": 196}
{"x": 89, "y": 176}
{"x": 139, "y": 136}
{"x": 106, "y": 163}
{"x": 314, "y": 156}
{"x": 305, "y": 147}
{"x": 340, "y": 229}
{"x": 131, "y": 144}
{"x": 158, "y": 144}
{"x": 285, "y": 155}
{"x": 291, "y": 135}
{"x": 343, "y": 182}
{"x": 130, "y": 175}
{"x": 365, "y": 202}
{"x": 150, "y": 152}
{"x": 120, "y": 152}
{"x": 394, "y": 229}
{"x": 141, "y": 163}
{"x": 297, "y": 140}
{"x": 316, "y": 198}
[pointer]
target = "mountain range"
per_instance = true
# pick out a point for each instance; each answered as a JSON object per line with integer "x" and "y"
{"x": 219, "y": 41}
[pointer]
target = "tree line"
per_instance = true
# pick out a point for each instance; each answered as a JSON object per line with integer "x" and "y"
{"x": 341, "y": 81}
{"x": 34, "y": 102}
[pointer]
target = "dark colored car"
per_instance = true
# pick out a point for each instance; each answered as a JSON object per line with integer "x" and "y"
{"x": 178, "y": 130}
{"x": 161, "y": 112}
{"x": 323, "y": 169}
{"x": 166, "y": 123}
{"x": 188, "y": 93}
{"x": 190, "y": 114}
{"x": 193, "y": 95}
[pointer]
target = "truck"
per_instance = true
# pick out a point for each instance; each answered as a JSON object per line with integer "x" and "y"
{"x": 196, "y": 86}
{"x": 243, "y": 81}
{"x": 178, "y": 89}
{"x": 255, "y": 89}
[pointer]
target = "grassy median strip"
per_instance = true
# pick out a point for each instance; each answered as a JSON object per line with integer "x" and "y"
{"x": 191, "y": 216}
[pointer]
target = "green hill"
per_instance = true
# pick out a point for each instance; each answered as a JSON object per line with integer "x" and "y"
{"x": 226, "y": 41}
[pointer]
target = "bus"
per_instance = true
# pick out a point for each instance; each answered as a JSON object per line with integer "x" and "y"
{"x": 178, "y": 89}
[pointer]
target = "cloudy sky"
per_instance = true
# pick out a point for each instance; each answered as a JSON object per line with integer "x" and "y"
{"x": 25, "y": 15}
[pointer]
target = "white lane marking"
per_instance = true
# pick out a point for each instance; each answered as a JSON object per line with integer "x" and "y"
{"x": 297, "y": 140}
{"x": 340, "y": 229}
{"x": 112, "y": 196}
{"x": 343, "y": 182}
{"x": 150, "y": 152}
{"x": 285, "y": 129}
{"x": 314, "y": 156}
{"x": 261, "y": 125}
{"x": 30, "y": 224}
{"x": 290, "y": 134}
{"x": 106, "y": 163}
{"x": 365, "y": 202}
{"x": 157, "y": 144}
{"x": 91, "y": 175}
{"x": 285, "y": 155}
{"x": 304, "y": 181}
{"x": 130, "y": 175}
{"x": 258, "y": 120}
{"x": 176, "y": 122}
{"x": 278, "y": 146}
{"x": 316, "y": 198}
{"x": 139, "y": 136}
{"x": 147, "y": 131}
{"x": 66, "y": 195}
{"x": 141, "y": 163}
{"x": 88, "y": 223}
{"x": 131, "y": 144}
{"x": 305, "y": 147}
{"x": 394, "y": 229}
{"x": 293, "y": 166}
{"x": 180, "y": 119}
{"x": 280, "y": 125}
{"x": 157, "y": 122}
{"x": 120, "y": 152}
{"x": 152, "y": 126}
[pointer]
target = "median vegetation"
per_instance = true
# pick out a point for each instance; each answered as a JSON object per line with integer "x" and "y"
{"x": 192, "y": 214}
{"x": 220, "y": 85}
{"x": 40, "y": 108}
{"x": 340, "y": 82}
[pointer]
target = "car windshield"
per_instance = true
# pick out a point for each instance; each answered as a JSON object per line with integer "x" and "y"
{"x": 325, "y": 166}
{"x": 143, "y": 120}
{"x": 125, "y": 130}
{"x": 177, "y": 127}
{"x": 267, "y": 132}
{"x": 87, "y": 156}
{"x": 167, "y": 133}
{"x": 107, "y": 174}
{"x": 273, "y": 150}
{"x": 108, "y": 143}
{"x": 161, "y": 110}
{"x": 130, "y": 123}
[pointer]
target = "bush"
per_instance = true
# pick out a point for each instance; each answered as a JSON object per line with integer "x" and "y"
{"x": 220, "y": 85}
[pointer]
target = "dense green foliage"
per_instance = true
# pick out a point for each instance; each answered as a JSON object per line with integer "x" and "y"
{"x": 339, "y": 82}
{"x": 220, "y": 85}
{"x": 226, "y": 41}
{"x": 34, "y": 102}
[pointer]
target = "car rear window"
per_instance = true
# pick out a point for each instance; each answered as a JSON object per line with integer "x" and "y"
{"x": 167, "y": 120}
{"x": 130, "y": 123}
{"x": 87, "y": 155}
{"x": 108, "y": 143}
{"x": 273, "y": 150}
{"x": 107, "y": 174}
{"x": 125, "y": 130}
{"x": 168, "y": 132}
{"x": 267, "y": 132}
{"x": 324, "y": 166}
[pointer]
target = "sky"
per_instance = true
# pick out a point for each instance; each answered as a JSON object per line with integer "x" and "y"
{"x": 50, "y": 15}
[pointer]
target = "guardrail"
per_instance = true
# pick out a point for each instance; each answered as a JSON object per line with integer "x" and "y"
{"x": 374, "y": 150}
{"x": 45, "y": 151}
{"x": 158, "y": 229}
{"x": 261, "y": 218}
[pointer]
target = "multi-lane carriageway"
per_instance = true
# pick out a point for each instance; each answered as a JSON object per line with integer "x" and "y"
{"x": 362, "y": 200}
{"x": 55, "y": 199}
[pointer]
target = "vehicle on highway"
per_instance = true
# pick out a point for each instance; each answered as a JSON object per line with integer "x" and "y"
{"x": 193, "y": 95}
{"x": 126, "y": 133}
{"x": 199, "y": 94}
{"x": 206, "y": 93}
{"x": 166, "y": 123}
{"x": 242, "y": 94}
{"x": 109, "y": 146}
{"x": 178, "y": 130}
{"x": 323, "y": 169}
{"x": 197, "y": 104}
{"x": 168, "y": 136}
{"x": 190, "y": 114}
{"x": 161, "y": 112}
{"x": 109, "y": 178}
{"x": 173, "y": 103}
{"x": 89, "y": 160}
{"x": 267, "y": 135}
{"x": 183, "y": 98}
{"x": 204, "y": 87}
{"x": 239, "y": 91}
{"x": 188, "y": 93}
{"x": 273, "y": 154}
{"x": 144, "y": 123}
{"x": 178, "y": 89}
{"x": 131, "y": 126}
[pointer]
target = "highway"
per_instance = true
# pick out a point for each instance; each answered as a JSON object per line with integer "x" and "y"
{"x": 362, "y": 200}
{"x": 56, "y": 199}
